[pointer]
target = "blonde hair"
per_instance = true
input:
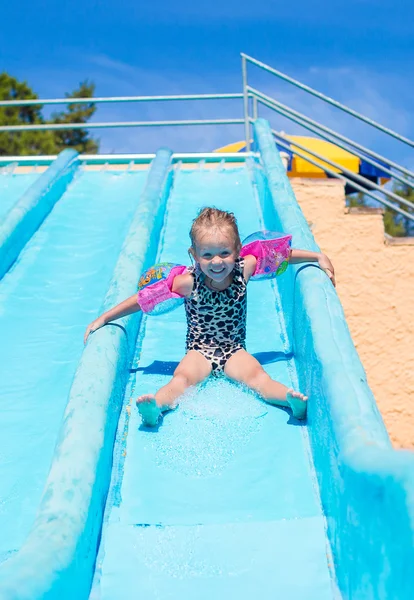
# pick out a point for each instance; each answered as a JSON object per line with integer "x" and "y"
{"x": 210, "y": 217}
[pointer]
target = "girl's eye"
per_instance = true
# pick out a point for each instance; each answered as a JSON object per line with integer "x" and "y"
{"x": 223, "y": 254}
{"x": 207, "y": 256}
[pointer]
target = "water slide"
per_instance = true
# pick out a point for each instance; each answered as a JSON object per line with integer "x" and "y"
{"x": 228, "y": 496}
{"x": 221, "y": 500}
{"x": 12, "y": 187}
{"x": 56, "y": 285}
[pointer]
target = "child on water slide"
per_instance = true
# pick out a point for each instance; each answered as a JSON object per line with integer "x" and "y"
{"x": 214, "y": 292}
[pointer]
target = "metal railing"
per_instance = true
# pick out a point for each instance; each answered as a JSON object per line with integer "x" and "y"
{"x": 391, "y": 169}
{"x": 125, "y": 159}
{"x": 112, "y": 99}
{"x": 332, "y": 136}
{"x": 109, "y": 125}
{"x": 254, "y": 98}
{"x": 309, "y": 90}
{"x": 349, "y": 176}
{"x": 122, "y": 100}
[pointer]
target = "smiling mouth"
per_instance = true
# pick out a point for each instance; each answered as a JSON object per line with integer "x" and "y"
{"x": 217, "y": 272}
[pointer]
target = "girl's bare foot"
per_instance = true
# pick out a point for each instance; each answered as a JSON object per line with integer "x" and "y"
{"x": 298, "y": 403}
{"x": 149, "y": 410}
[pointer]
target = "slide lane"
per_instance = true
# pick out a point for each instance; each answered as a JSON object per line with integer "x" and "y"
{"x": 52, "y": 291}
{"x": 12, "y": 187}
{"x": 220, "y": 500}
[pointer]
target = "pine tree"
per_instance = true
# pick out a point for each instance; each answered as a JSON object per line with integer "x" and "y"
{"x": 406, "y": 192}
{"x": 24, "y": 142}
{"x": 394, "y": 224}
{"x": 78, "y": 139}
{"x": 43, "y": 142}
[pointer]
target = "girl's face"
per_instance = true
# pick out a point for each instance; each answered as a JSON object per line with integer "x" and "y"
{"x": 216, "y": 254}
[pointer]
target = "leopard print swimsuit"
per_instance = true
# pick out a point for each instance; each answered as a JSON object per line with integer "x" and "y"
{"x": 216, "y": 320}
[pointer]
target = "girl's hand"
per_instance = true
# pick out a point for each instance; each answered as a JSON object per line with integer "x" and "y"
{"x": 97, "y": 324}
{"x": 326, "y": 265}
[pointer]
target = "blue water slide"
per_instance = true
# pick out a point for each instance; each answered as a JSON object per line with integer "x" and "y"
{"x": 56, "y": 286}
{"x": 25, "y": 216}
{"x": 12, "y": 187}
{"x": 228, "y": 496}
{"x": 221, "y": 501}
{"x": 366, "y": 487}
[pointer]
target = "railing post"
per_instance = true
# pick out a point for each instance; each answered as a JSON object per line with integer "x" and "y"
{"x": 317, "y": 94}
{"x": 246, "y": 104}
{"x": 255, "y": 111}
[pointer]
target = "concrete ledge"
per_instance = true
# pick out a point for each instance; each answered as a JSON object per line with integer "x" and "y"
{"x": 23, "y": 220}
{"x": 398, "y": 241}
{"x": 57, "y": 560}
{"x": 364, "y": 210}
{"x": 366, "y": 487}
{"x": 319, "y": 181}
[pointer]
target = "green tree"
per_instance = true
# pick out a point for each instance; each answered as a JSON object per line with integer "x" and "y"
{"x": 406, "y": 192}
{"x": 394, "y": 224}
{"x": 43, "y": 142}
{"x": 24, "y": 142}
{"x": 78, "y": 139}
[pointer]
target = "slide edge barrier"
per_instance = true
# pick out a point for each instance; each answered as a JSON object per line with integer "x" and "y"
{"x": 58, "y": 557}
{"x": 28, "y": 213}
{"x": 366, "y": 487}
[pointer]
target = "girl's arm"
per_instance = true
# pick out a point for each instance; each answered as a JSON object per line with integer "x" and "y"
{"x": 249, "y": 266}
{"x": 182, "y": 285}
{"x": 127, "y": 307}
{"x": 299, "y": 256}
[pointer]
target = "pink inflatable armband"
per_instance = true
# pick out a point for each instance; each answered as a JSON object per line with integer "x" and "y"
{"x": 272, "y": 251}
{"x": 155, "y": 295}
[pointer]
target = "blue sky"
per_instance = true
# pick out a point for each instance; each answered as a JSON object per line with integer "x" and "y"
{"x": 359, "y": 52}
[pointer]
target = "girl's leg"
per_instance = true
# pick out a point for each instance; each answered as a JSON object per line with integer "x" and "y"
{"x": 193, "y": 368}
{"x": 243, "y": 367}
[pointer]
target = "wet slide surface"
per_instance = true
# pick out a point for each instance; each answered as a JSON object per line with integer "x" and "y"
{"x": 46, "y": 300}
{"x": 12, "y": 187}
{"x": 220, "y": 500}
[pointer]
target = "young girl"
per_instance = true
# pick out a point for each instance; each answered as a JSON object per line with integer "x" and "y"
{"x": 215, "y": 306}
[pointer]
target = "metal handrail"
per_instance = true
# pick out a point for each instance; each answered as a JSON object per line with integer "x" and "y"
{"x": 246, "y": 105}
{"x": 87, "y": 125}
{"x": 316, "y": 127}
{"x": 281, "y": 142}
{"x": 257, "y": 97}
{"x": 327, "y": 99}
{"x": 185, "y": 157}
{"x": 351, "y": 174}
{"x": 113, "y": 99}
